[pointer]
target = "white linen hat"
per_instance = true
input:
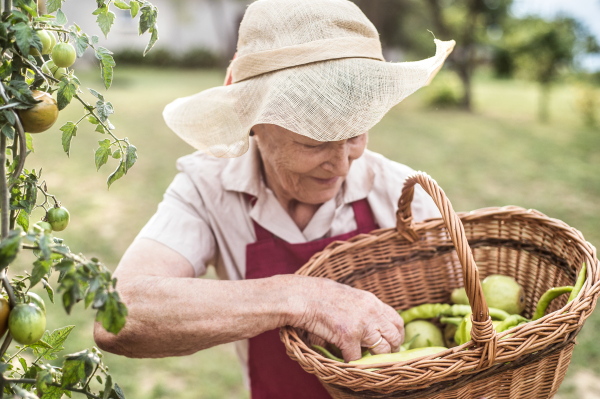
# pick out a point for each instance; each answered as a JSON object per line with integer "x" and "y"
{"x": 314, "y": 67}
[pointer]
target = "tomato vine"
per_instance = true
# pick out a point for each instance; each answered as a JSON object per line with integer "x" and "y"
{"x": 29, "y": 34}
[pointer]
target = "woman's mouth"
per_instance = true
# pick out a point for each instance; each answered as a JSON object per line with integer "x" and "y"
{"x": 327, "y": 182}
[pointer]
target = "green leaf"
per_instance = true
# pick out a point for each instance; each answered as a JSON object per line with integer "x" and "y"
{"x": 53, "y": 5}
{"x": 95, "y": 39}
{"x": 55, "y": 340}
{"x": 148, "y": 17}
{"x": 105, "y": 109}
{"x": 122, "y": 5}
{"x": 27, "y": 5}
{"x": 66, "y": 91}
{"x": 117, "y": 393}
{"x": 130, "y": 157}
{"x": 112, "y": 314}
{"x": 69, "y": 130}
{"x": 102, "y": 153}
{"x": 23, "y": 220}
{"x": 65, "y": 265}
{"x": 54, "y": 393}
{"x": 29, "y": 142}
{"x": 153, "y": 40}
{"x": 77, "y": 367}
{"x": 135, "y": 8}
{"x": 108, "y": 386}
{"x": 105, "y": 21}
{"x": 117, "y": 154}
{"x": 100, "y": 129}
{"x": 26, "y": 38}
{"x": 50, "y": 292}
{"x": 23, "y": 364}
{"x": 43, "y": 378}
{"x": 117, "y": 174}
{"x": 107, "y": 63}
{"x": 20, "y": 90}
{"x": 61, "y": 18}
{"x": 9, "y": 248}
{"x": 8, "y": 131}
{"x": 98, "y": 96}
{"x": 41, "y": 268}
{"x": 81, "y": 43}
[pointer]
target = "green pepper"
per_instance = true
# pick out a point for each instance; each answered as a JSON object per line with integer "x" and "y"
{"x": 406, "y": 346}
{"x": 463, "y": 332}
{"x": 451, "y": 320}
{"x": 399, "y": 356}
{"x": 463, "y": 310}
{"x": 425, "y": 311}
{"x": 512, "y": 321}
{"x": 548, "y": 297}
{"x": 578, "y": 284}
{"x": 327, "y": 354}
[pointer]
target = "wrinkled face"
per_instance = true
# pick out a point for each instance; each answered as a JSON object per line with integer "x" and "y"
{"x": 303, "y": 169}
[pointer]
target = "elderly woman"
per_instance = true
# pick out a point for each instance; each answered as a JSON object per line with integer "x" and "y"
{"x": 283, "y": 171}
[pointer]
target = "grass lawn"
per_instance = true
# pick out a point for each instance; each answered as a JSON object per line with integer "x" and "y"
{"x": 497, "y": 155}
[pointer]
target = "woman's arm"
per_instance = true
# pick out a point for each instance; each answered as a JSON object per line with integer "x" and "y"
{"x": 171, "y": 313}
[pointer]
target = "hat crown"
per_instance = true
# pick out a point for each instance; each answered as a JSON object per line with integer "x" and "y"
{"x": 275, "y": 24}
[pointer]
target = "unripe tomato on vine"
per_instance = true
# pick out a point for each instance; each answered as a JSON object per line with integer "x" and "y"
{"x": 58, "y": 217}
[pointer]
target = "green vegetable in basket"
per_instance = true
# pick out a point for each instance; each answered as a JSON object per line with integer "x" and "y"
{"x": 455, "y": 321}
{"x": 449, "y": 331}
{"x": 327, "y": 354}
{"x": 424, "y": 334}
{"x": 463, "y": 310}
{"x": 503, "y": 292}
{"x": 459, "y": 296}
{"x": 578, "y": 284}
{"x": 400, "y": 356}
{"x": 425, "y": 311}
{"x": 548, "y": 297}
{"x": 512, "y": 321}
{"x": 406, "y": 345}
{"x": 463, "y": 332}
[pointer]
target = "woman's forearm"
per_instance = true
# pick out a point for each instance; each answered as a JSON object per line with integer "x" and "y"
{"x": 170, "y": 316}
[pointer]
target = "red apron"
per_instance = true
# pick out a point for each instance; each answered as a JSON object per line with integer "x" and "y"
{"x": 273, "y": 375}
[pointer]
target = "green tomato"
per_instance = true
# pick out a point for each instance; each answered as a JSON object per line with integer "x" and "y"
{"x": 37, "y": 300}
{"x": 26, "y": 323}
{"x": 49, "y": 68}
{"x": 58, "y": 218}
{"x": 47, "y": 227}
{"x": 46, "y": 43}
{"x": 64, "y": 55}
{"x": 52, "y": 41}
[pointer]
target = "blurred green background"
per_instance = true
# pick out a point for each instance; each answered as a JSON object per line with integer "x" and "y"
{"x": 498, "y": 154}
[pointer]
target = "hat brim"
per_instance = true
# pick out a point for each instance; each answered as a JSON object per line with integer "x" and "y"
{"x": 326, "y": 101}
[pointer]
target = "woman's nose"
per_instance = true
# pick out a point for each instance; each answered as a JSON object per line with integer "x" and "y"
{"x": 339, "y": 161}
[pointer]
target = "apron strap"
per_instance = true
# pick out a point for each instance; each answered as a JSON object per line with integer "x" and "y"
{"x": 364, "y": 215}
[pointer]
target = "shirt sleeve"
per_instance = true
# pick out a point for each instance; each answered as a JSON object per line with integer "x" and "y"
{"x": 181, "y": 223}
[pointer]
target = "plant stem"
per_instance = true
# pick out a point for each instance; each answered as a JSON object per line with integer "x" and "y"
{"x": 3, "y": 188}
{"x": 22, "y": 139}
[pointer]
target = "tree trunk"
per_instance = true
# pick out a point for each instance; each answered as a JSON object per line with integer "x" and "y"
{"x": 544, "y": 102}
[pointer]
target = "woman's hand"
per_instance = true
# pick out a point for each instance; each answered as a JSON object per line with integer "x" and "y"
{"x": 344, "y": 316}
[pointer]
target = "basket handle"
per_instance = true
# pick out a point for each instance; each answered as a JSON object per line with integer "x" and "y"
{"x": 483, "y": 332}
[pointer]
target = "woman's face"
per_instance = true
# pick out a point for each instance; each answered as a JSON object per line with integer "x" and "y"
{"x": 303, "y": 169}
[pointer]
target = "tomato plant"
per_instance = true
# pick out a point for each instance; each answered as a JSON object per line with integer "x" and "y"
{"x": 37, "y": 51}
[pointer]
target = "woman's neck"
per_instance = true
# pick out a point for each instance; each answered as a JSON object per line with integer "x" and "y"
{"x": 300, "y": 212}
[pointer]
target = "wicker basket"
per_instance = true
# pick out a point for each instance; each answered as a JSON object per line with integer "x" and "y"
{"x": 422, "y": 262}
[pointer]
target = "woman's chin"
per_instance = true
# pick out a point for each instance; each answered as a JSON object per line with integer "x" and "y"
{"x": 319, "y": 194}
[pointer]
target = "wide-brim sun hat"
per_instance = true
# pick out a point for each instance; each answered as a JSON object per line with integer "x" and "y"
{"x": 314, "y": 67}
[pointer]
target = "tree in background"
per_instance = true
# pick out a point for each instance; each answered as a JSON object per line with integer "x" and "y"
{"x": 472, "y": 23}
{"x": 542, "y": 50}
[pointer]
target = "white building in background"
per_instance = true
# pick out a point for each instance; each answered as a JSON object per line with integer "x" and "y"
{"x": 183, "y": 25}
